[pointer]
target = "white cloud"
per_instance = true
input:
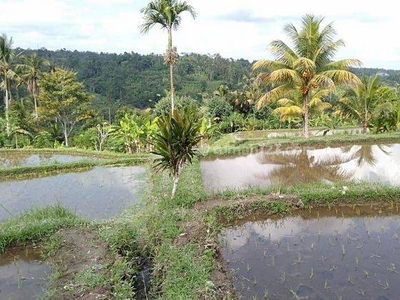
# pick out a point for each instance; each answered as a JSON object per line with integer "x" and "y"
{"x": 237, "y": 29}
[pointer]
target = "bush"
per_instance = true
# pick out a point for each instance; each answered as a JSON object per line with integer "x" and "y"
{"x": 43, "y": 139}
{"x": 164, "y": 105}
{"x": 218, "y": 108}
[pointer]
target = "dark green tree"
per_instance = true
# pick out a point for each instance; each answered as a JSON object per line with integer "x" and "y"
{"x": 63, "y": 100}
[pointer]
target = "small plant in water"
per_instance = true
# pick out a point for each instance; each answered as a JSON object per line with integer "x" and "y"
{"x": 326, "y": 286}
{"x": 266, "y": 293}
{"x": 392, "y": 268}
{"x": 349, "y": 280}
{"x": 343, "y": 250}
{"x": 385, "y": 285}
{"x": 361, "y": 292}
{"x": 248, "y": 267}
{"x": 272, "y": 260}
{"x": 283, "y": 277}
{"x": 366, "y": 273}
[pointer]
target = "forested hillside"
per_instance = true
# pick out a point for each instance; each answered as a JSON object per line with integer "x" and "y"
{"x": 141, "y": 80}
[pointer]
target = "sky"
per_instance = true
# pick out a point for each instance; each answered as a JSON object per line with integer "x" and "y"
{"x": 232, "y": 28}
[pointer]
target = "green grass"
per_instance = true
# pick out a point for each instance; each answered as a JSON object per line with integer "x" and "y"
{"x": 35, "y": 225}
{"x": 152, "y": 228}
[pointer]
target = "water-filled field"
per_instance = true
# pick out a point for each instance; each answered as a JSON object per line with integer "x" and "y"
{"x": 96, "y": 194}
{"x": 288, "y": 166}
{"x": 341, "y": 253}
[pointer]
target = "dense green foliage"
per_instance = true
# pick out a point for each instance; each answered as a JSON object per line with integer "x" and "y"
{"x": 141, "y": 80}
{"x": 176, "y": 140}
{"x": 302, "y": 75}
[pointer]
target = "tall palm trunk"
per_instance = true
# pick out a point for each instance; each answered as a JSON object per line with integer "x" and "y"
{"x": 171, "y": 67}
{"x": 7, "y": 103}
{"x": 305, "y": 116}
{"x": 36, "y": 108}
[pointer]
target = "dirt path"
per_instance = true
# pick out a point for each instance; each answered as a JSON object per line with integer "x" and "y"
{"x": 82, "y": 255}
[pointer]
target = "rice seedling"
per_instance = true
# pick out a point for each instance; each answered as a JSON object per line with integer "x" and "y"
{"x": 360, "y": 292}
{"x": 272, "y": 261}
{"x": 283, "y": 277}
{"x": 384, "y": 285}
{"x": 343, "y": 250}
{"x": 349, "y": 279}
{"x": 326, "y": 285}
{"x": 367, "y": 274}
{"x": 266, "y": 293}
{"x": 392, "y": 268}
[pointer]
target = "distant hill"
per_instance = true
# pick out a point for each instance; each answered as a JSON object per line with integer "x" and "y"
{"x": 141, "y": 80}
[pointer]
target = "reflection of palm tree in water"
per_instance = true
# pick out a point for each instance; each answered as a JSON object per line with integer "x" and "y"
{"x": 300, "y": 167}
{"x": 365, "y": 153}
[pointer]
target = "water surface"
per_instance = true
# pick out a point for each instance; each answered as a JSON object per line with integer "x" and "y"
{"x": 23, "y": 275}
{"x": 342, "y": 253}
{"x": 96, "y": 194}
{"x": 18, "y": 159}
{"x": 305, "y": 164}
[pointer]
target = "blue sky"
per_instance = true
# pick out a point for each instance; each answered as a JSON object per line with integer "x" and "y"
{"x": 232, "y": 28}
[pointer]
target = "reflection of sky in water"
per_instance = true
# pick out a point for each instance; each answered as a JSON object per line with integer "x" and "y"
{"x": 96, "y": 194}
{"x": 330, "y": 257}
{"x": 236, "y": 173}
{"x": 386, "y": 168}
{"x": 22, "y": 275}
{"x": 255, "y": 169}
{"x": 19, "y": 159}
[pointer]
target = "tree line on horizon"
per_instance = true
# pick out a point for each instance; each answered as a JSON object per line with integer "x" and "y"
{"x": 108, "y": 89}
{"x": 140, "y": 80}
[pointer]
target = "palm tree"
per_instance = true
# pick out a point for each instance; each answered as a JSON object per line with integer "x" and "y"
{"x": 6, "y": 74}
{"x": 307, "y": 67}
{"x": 368, "y": 100}
{"x": 166, "y": 13}
{"x": 30, "y": 72}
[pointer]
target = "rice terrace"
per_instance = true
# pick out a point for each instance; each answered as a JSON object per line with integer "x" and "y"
{"x": 272, "y": 179}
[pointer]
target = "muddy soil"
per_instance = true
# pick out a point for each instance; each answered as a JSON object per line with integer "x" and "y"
{"x": 81, "y": 250}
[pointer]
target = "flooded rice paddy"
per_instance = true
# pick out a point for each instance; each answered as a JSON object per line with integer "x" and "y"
{"x": 338, "y": 253}
{"x": 23, "y": 275}
{"x": 304, "y": 164}
{"x": 19, "y": 159}
{"x": 96, "y": 194}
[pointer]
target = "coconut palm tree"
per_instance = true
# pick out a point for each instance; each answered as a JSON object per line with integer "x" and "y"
{"x": 167, "y": 14}
{"x": 368, "y": 101}
{"x": 6, "y": 74}
{"x": 30, "y": 72}
{"x": 306, "y": 67}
